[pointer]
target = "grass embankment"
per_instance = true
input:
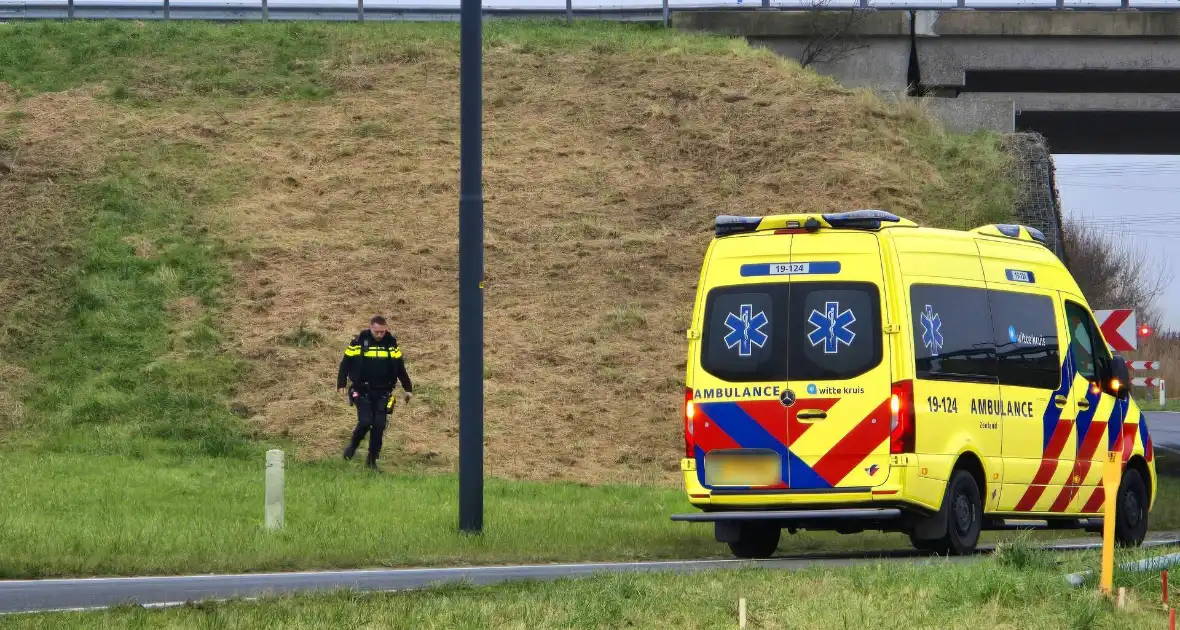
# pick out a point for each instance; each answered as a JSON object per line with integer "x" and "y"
{"x": 197, "y": 216}
{"x": 609, "y": 150}
{"x": 1017, "y": 589}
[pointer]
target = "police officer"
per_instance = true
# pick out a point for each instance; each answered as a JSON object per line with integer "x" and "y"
{"x": 373, "y": 362}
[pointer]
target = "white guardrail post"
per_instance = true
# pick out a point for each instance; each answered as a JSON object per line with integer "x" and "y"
{"x": 274, "y": 489}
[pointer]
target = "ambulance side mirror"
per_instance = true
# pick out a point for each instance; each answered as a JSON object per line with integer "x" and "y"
{"x": 1119, "y": 383}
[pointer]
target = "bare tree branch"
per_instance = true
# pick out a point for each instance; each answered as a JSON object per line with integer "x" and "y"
{"x": 1113, "y": 273}
{"x": 830, "y": 33}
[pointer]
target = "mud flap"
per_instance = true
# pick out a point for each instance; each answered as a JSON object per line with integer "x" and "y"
{"x": 727, "y": 531}
{"x": 933, "y": 527}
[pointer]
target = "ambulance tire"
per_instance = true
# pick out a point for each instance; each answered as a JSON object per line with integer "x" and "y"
{"x": 756, "y": 541}
{"x": 964, "y": 514}
{"x": 1130, "y": 520}
{"x": 930, "y": 546}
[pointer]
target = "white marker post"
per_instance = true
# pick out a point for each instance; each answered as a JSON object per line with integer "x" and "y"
{"x": 274, "y": 489}
{"x": 1163, "y": 399}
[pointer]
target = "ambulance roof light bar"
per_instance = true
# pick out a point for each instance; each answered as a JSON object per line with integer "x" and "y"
{"x": 864, "y": 219}
{"x": 1012, "y": 230}
{"x": 728, "y": 224}
{"x": 725, "y": 225}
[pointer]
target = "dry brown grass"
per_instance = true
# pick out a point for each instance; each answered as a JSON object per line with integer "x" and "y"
{"x": 43, "y": 140}
{"x": 604, "y": 172}
{"x": 603, "y": 176}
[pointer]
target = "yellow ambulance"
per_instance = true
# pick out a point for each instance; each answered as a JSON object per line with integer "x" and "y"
{"x": 855, "y": 371}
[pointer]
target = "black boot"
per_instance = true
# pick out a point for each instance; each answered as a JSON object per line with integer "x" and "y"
{"x": 371, "y": 464}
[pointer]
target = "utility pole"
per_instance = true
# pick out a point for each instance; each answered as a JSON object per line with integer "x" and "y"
{"x": 471, "y": 267}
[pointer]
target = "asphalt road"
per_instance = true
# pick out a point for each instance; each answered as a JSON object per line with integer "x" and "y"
{"x": 1164, "y": 427}
{"x": 18, "y": 596}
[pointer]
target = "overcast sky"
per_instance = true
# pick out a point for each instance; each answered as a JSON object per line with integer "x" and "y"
{"x": 1135, "y": 198}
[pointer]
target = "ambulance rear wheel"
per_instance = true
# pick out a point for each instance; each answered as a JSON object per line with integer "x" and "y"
{"x": 756, "y": 541}
{"x": 1130, "y": 524}
{"x": 964, "y": 514}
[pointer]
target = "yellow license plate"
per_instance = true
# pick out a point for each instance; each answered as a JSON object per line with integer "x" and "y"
{"x": 734, "y": 469}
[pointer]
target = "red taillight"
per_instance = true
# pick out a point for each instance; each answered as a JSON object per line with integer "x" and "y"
{"x": 690, "y": 410}
{"x": 901, "y": 417}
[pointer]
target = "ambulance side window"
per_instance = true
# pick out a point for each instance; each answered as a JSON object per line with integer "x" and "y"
{"x": 952, "y": 330}
{"x": 1089, "y": 352}
{"x": 1028, "y": 349}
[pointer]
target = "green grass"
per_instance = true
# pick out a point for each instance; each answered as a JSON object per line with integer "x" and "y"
{"x": 1154, "y": 405}
{"x": 983, "y": 593}
{"x": 79, "y": 514}
{"x": 164, "y": 514}
{"x": 119, "y": 373}
{"x": 989, "y": 191}
{"x": 137, "y": 62}
{"x": 1165, "y": 514}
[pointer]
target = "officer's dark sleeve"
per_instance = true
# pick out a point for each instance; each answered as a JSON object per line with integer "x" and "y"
{"x": 404, "y": 376}
{"x": 350, "y": 353}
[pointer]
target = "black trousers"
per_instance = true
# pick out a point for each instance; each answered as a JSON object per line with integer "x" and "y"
{"x": 371, "y": 417}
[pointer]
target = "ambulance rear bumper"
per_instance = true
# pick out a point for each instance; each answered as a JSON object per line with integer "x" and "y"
{"x": 728, "y": 525}
{"x": 793, "y": 516}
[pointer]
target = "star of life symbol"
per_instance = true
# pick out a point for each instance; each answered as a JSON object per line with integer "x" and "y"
{"x": 745, "y": 330}
{"x": 831, "y": 327}
{"x": 931, "y": 331}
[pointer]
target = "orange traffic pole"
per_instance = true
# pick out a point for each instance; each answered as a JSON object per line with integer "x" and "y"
{"x": 1110, "y": 482}
{"x": 1164, "y": 585}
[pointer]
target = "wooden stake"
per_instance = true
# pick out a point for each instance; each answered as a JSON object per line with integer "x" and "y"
{"x": 1122, "y": 597}
{"x": 742, "y": 612}
{"x": 1172, "y": 619}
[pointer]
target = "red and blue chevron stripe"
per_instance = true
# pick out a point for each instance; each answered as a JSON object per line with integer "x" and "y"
{"x": 1056, "y": 433}
{"x": 766, "y": 424}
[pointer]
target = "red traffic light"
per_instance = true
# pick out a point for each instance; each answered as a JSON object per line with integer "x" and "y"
{"x": 1145, "y": 331}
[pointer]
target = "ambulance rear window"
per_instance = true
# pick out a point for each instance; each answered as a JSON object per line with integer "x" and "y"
{"x": 781, "y": 331}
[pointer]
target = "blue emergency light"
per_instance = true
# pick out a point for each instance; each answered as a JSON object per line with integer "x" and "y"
{"x": 863, "y": 219}
{"x": 1013, "y": 230}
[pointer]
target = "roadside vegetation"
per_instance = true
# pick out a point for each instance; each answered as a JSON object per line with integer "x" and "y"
{"x": 1017, "y": 588}
{"x": 1114, "y": 272}
{"x": 198, "y": 216}
{"x": 264, "y": 188}
{"x": 78, "y": 515}
{"x": 1154, "y": 404}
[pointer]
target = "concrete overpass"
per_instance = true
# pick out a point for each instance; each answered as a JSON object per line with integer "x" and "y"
{"x": 1090, "y": 82}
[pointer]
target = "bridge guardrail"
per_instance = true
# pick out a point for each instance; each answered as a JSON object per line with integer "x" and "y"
{"x": 641, "y": 10}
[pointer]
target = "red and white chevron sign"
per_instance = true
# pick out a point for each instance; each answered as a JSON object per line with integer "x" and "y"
{"x": 1150, "y": 381}
{"x": 1118, "y": 326}
{"x": 1143, "y": 365}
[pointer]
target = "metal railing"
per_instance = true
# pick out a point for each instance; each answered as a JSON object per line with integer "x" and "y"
{"x": 448, "y": 10}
